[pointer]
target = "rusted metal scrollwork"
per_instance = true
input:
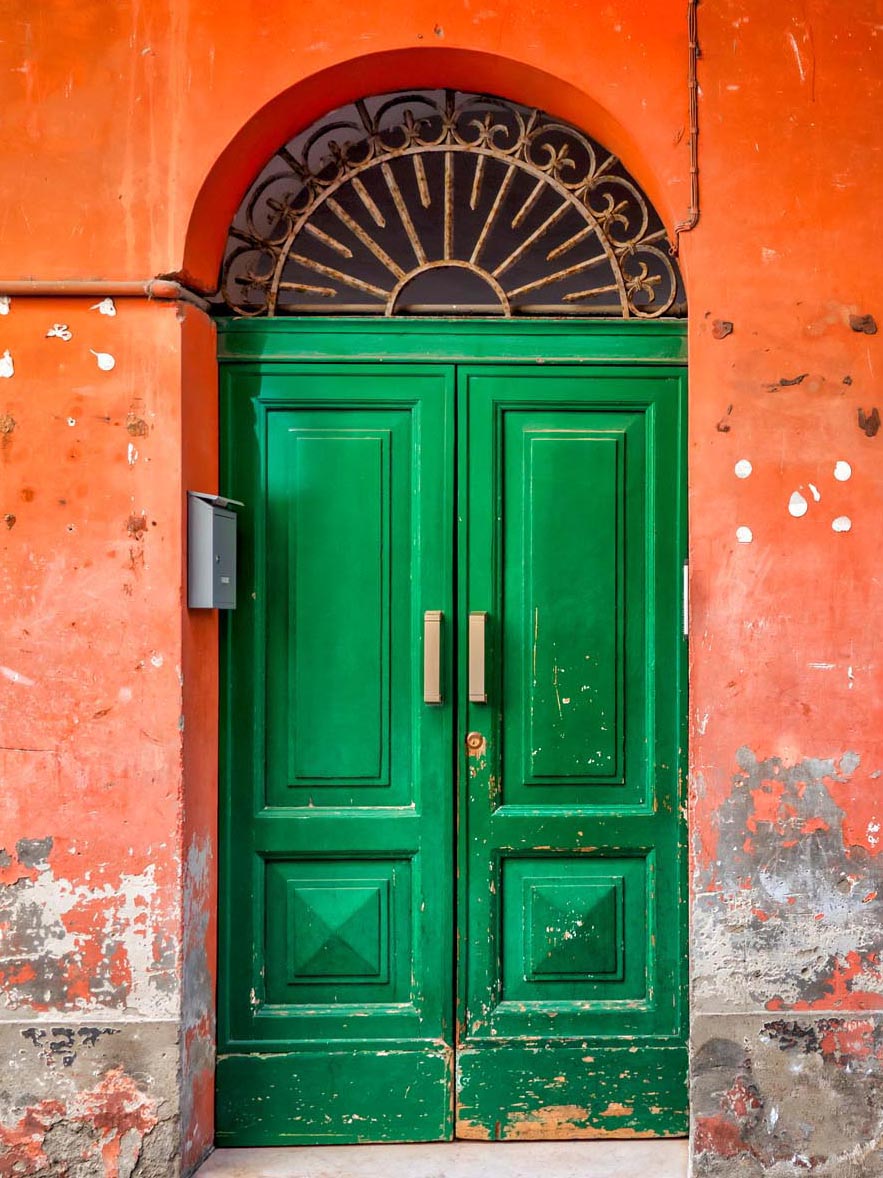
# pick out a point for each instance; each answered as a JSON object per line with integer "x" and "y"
{"x": 447, "y": 203}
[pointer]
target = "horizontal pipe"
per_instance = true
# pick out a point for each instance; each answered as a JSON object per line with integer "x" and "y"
{"x": 81, "y": 288}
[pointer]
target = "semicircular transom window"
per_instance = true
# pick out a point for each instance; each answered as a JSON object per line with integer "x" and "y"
{"x": 446, "y": 203}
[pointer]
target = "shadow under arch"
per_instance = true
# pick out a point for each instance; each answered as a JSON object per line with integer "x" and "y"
{"x": 306, "y": 101}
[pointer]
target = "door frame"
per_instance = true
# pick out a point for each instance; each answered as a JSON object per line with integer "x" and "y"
{"x": 465, "y": 341}
{"x": 473, "y": 341}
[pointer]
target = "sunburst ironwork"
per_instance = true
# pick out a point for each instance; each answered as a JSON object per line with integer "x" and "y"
{"x": 441, "y": 202}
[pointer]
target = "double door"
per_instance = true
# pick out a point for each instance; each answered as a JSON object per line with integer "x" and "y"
{"x": 452, "y": 855}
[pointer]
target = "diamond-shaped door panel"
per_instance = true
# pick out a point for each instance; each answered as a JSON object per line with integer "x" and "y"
{"x": 576, "y": 929}
{"x": 338, "y": 931}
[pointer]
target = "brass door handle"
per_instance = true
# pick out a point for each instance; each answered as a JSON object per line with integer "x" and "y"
{"x": 432, "y": 661}
{"x": 477, "y": 660}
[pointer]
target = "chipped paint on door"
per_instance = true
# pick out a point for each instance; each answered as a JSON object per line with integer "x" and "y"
{"x": 340, "y": 804}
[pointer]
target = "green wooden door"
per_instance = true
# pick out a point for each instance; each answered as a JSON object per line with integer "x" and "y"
{"x": 572, "y": 960}
{"x": 335, "y": 1019}
{"x": 365, "y": 993}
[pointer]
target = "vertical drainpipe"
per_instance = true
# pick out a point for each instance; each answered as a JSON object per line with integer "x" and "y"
{"x": 692, "y": 217}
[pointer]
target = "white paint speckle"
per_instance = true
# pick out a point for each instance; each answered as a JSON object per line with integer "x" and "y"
{"x": 7, "y": 368}
{"x": 842, "y": 471}
{"x": 743, "y": 468}
{"x": 768, "y": 255}
{"x": 842, "y": 523}
{"x": 744, "y": 535}
{"x": 816, "y": 493}
{"x": 156, "y": 660}
{"x": 16, "y": 677}
{"x": 822, "y": 666}
{"x": 105, "y": 307}
{"x": 72, "y": 421}
{"x": 59, "y": 331}
{"x": 801, "y": 69}
{"x": 131, "y": 454}
{"x": 104, "y": 360}
{"x": 797, "y": 505}
{"x": 124, "y": 695}
{"x": 850, "y": 678}
{"x": 5, "y": 303}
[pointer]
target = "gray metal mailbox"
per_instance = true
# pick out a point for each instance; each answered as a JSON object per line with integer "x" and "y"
{"x": 211, "y": 551}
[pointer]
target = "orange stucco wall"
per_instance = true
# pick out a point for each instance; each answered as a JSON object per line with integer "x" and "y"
{"x": 136, "y": 127}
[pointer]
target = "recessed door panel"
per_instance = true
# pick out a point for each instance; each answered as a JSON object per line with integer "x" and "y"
{"x": 569, "y": 681}
{"x": 568, "y": 677}
{"x": 339, "y": 536}
{"x": 339, "y": 621}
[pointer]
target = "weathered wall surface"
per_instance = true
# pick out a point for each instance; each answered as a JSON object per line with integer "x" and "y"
{"x": 90, "y": 736}
{"x": 138, "y": 128}
{"x": 785, "y": 681}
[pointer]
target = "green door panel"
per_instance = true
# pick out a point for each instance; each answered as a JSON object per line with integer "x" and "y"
{"x": 332, "y": 1097}
{"x": 582, "y": 1090}
{"x": 331, "y": 512}
{"x": 456, "y": 918}
{"x": 564, "y": 580}
{"x": 571, "y": 854}
{"x": 339, "y": 522}
{"x": 337, "y": 828}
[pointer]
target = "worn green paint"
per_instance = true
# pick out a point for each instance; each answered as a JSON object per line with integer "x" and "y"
{"x": 338, "y": 850}
{"x": 571, "y": 851}
{"x": 331, "y": 1097}
{"x": 584, "y": 1088}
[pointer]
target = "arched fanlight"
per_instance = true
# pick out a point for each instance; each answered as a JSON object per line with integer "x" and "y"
{"x": 440, "y": 202}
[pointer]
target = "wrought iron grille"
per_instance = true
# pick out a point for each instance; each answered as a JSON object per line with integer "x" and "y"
{"x": 441, "y": 202}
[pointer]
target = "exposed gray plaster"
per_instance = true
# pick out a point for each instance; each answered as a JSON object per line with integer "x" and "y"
{"x": 31, "y": 852}
{"x": 787, "y": 905}
{"x": 197, "y": 1005}
{"x": 101, "y": 1085}
{"x": 777, "y": 1097}
{"x": 45, "y": 965}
